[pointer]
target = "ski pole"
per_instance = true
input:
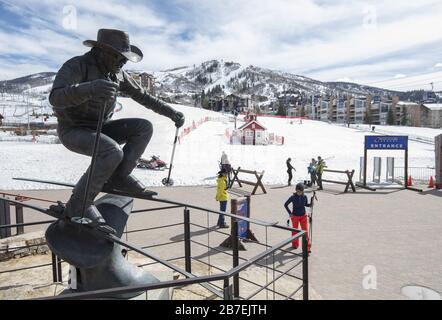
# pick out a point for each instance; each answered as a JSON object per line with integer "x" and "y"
{"x": 167, "y": 181}
{"x": 94, "y": 158}
{"x": 312, "y": 201}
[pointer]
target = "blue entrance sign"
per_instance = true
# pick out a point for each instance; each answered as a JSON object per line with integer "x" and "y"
{"x": 386, "y": 142}
{"x": 243, "y": 226}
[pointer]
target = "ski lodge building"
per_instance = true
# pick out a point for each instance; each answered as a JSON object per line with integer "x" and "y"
{"x": 230, "y": 103}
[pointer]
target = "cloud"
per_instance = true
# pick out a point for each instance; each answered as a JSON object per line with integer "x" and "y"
{"x": 438, "y": 65}
{"x": 324, "y": 39}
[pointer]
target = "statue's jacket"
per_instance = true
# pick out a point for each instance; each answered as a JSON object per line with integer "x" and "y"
{"x": 73, "y": 108}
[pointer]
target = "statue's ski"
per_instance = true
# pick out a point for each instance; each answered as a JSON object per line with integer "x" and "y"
{"x": 58, "y": 215}
{"x": 144, "y": 195}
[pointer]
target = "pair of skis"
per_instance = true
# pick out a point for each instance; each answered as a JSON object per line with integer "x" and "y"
{"x": 58, "y": 214}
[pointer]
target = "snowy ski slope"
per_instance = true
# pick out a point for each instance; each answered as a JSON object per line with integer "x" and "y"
{"x": 196, "y": 158}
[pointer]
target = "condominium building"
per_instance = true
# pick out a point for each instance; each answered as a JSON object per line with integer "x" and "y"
{"x": 230, "y": 103}
{"x": 375, "y": 110}
{"x": 324, "y": 110}
{"x": 358, "y": 109}
{"x": 432, "y": 115}
{"x": 145, "y": 80}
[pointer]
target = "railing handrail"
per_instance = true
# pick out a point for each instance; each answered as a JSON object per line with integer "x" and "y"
{"x": 191, "y": 278}
{"x": 262, "y": 255}
{"x": 146, "y": 287}
{"x": 255, "y": 221}
{"x": 175, "y": 283}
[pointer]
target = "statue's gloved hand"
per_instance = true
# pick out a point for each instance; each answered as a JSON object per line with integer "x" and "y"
{"x": 179, "y": 119}
{"x": 103, "y": 89}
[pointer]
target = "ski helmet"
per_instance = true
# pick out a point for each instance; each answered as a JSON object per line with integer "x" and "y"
{"x": 300, "y": 187}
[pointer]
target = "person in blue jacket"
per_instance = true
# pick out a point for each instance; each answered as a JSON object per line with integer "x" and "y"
{"x": 298, "y": 213}
{"x": 312, "y": 171}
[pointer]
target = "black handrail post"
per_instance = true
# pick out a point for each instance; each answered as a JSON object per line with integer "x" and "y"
{"x": 227, "y": 290}
{"x": 304, "y": 267}
{"x": 187, "y": 248}
{"x": 19, "y": 219}
{"x": 235, "y": 246}
{"x": 54, "y": 268}
{"x": 5, "y": 219}
{"x": 59, "y": 270}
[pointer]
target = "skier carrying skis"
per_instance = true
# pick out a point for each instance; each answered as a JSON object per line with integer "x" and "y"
{"x": 320, "y": 166}
{"x": 83, "y": 86}
{"x": 289, "y": 170}
{"x": 298, "y": 213}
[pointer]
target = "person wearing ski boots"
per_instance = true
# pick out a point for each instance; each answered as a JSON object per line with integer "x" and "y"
{"x": 83, "y": 86}
{"x": 320, "y": 166}
{"x": 289, "y": 170}
{"x": 298, "y": 213}
{"x": 222, "y": 196}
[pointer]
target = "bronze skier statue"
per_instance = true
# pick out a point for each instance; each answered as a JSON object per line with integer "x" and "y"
{"x": 86, "y": 87}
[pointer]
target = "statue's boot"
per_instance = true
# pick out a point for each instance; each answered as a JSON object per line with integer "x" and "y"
{"x": 74, "y": 206}
{"x": 127, "y": 183}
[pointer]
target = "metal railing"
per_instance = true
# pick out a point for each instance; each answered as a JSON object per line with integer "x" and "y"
{"x": 228, "y": 283}
{"x": 419, "y": 174}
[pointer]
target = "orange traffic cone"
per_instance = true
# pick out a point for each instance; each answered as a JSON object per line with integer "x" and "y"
{"x": 409, "y": 182}
{"x": 431, "y": 184}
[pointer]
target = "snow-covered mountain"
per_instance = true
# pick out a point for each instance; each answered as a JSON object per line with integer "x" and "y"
{"x": 230, "y": 77}
{"x": 216, "y": 77}
{"x": 21, "y": 84}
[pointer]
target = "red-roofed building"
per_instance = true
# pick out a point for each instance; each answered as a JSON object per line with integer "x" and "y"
{"x": 253, "y": 133}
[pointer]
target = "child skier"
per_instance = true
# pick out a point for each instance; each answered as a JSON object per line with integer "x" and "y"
{"x": 222, "y": 196}
{"x": 298, "y": 214}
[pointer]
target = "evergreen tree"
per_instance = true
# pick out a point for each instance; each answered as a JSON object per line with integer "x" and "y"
{"x": 282, "y": 111}
{"x": 390, "y": 117}
{"x": 302, "y": 111}
{"x": 204, "y": 100}
{"x": 404, "y": 118}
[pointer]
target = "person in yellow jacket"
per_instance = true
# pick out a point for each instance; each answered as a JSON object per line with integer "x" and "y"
{"x": 320, "y": 166}
{"x": 222, "y": 196}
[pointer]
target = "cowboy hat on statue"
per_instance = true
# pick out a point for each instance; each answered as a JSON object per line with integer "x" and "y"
{"x": 86, "y": 84}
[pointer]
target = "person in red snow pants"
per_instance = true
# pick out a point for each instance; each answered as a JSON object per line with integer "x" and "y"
{"x": 298, "y": 214}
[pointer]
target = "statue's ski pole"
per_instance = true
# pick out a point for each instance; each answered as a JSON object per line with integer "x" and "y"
{"x": 93, "y": 160}
{"x": 167, "y": 181}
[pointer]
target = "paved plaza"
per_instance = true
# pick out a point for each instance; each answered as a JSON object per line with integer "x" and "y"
{"x": 394, "y": 236}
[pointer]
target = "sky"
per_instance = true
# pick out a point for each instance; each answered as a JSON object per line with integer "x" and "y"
{"x": 390, "y": 44}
